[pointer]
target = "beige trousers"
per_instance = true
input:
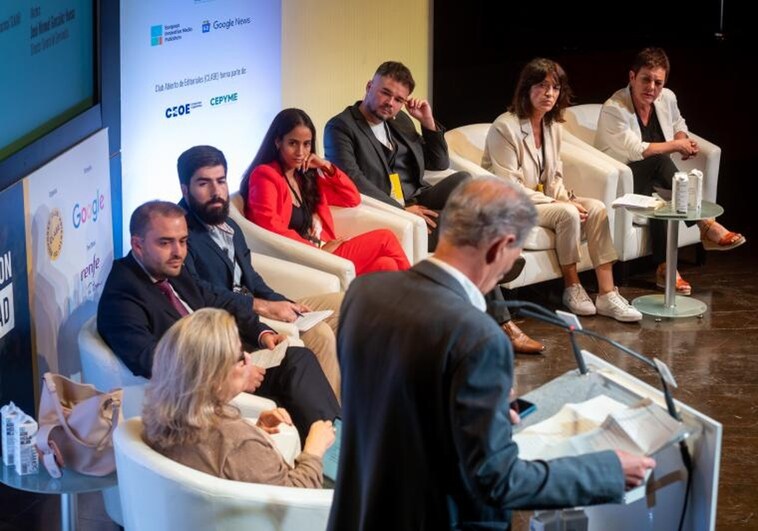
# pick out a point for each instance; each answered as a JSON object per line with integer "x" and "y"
{"x": 563, "y": 218}
{"x": 322, "y": 338}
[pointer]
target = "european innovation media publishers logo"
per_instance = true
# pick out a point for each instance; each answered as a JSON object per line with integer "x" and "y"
{"x": 167, "y": 33}
{"x": 156, "y": 35}
{"x": 206, "y": 26}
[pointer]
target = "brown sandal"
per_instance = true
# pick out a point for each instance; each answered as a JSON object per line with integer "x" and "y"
{"x": 728, "y": 241}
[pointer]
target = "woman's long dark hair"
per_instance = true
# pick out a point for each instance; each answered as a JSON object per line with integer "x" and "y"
{"x": 283, "y": 123}
{"x": 534, "y": 73}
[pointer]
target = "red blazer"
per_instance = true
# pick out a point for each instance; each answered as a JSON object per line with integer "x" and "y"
{"x": 269, "y": 203}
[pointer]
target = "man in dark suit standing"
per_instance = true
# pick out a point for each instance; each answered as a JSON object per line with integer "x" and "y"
{"x": 426, "y": 434}
{"x": 149, "y": 290}
{"x": 377, "y": 145}
{"x": 218, "y": 254}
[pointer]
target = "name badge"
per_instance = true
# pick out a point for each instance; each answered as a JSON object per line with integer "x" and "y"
{"x": 396, "y": 191}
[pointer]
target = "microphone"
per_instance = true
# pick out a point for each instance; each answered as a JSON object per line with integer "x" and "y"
{"x": 541, "y": 313}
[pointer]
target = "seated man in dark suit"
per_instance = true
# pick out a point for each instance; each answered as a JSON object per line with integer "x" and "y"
{"x": 149, "y": 290}
{"x": 377, "y": 145}
{"x": 426, "y": 432}
{"x": 218, "y": 254}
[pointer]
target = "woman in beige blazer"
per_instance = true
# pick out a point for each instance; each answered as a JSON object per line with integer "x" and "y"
{"x": 524, "y": 145}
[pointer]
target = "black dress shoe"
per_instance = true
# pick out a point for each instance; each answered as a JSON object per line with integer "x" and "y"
{"x": 515, "y": 271}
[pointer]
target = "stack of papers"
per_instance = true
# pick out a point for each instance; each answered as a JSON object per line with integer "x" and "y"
{"x": 266, "y": 359}
{"x": 600, "y": 424}
{"x": 310, "y": 319}
{"x": 637, "y": 201}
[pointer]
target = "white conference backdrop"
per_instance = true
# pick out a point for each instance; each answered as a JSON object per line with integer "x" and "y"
{"x": 70, "y": 238}
{"x": 194, "y": 72}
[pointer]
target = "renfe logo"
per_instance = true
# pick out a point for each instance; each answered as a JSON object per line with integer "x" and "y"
{"x": 82, "y": 213}
{"x": 90, "y": 269}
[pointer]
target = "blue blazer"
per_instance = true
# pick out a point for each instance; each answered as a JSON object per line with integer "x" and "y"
{"x": 207, "y": 262}
{"x": 426, "y": 437}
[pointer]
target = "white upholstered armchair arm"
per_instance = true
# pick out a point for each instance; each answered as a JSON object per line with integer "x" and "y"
{"x": 587, "y": 176}
{"x": 420, "y": 236}
{"x": 292, "y": 280}
{"x": 263, "y": 241}
{"x": 459, "y": 163}
{"x": 358, "y": 220}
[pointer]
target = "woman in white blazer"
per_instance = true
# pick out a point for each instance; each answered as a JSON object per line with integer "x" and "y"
{"x": 524, "y": 145}
{"x": 641, "y": 126}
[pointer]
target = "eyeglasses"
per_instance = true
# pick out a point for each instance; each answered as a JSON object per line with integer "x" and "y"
{"x": 546, "y": 85}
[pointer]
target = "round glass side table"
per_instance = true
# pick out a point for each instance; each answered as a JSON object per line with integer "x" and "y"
{"x": 670, "y": 304}
{"x": 67, "y": 487}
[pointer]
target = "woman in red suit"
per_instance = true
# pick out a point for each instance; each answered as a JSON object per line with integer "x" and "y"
{"x": 288, "y": 190}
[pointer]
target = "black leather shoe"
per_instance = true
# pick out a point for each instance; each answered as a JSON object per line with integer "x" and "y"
{"x": 515, "y": 271}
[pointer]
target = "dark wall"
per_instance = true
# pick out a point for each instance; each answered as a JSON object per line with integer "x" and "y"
{"x": 480, "y": 47}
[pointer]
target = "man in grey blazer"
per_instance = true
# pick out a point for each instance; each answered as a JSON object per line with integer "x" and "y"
{"x": 426, "y": 434}
{"x": 377, "y": 145}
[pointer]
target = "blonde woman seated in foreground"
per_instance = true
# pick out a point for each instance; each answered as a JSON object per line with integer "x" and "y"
{"x": 199, "y": 366}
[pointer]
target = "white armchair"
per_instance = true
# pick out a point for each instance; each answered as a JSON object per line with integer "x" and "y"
{"x": 348, "y": 222}
{"x": 158, "y": 494}
{"x": 103, "y": 369}
{"x": 582, "y": 174}
{"x": 630, "y": 233}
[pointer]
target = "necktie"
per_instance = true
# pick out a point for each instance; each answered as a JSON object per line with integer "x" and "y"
{"x": 165, "y": 288}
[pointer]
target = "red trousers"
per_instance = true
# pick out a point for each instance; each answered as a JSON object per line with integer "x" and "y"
{"x": 376, "y": 250}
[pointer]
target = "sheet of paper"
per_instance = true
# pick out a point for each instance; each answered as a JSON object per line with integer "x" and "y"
{"x": 600, "y": 424}
{"x": 266, "y": 359}
{"x": 649, "y": 426}
{"x": 637, "y": 201}
{"x": 311, "y": 319}
{"x": 549, "y": 439}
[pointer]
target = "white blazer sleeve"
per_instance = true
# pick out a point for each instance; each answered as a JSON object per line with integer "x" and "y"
{"x": 615, "y": 135}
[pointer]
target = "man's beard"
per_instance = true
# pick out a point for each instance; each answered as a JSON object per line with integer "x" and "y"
{"x": 208, "y": 214}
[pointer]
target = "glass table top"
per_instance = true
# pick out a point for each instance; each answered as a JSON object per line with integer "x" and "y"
{"x": 707, "y": 210}
{"x": 42, "y": 483}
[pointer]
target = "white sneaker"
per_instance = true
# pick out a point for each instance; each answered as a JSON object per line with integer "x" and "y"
{"x": 612, "y": 304}
{"x": 577, "y": 300}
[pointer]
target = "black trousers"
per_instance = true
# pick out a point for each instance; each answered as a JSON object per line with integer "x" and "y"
{"x": 299, "y": 386}
{"x": 655, "y": 174}
{"x": 435, "y": 198}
